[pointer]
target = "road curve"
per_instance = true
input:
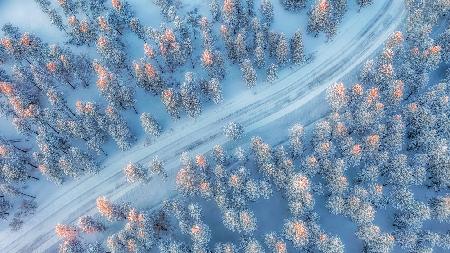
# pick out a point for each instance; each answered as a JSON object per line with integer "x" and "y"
{"x": 357, "y": 40}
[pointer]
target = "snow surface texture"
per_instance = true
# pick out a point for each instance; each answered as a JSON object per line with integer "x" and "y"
{"x": 297, "y": 95}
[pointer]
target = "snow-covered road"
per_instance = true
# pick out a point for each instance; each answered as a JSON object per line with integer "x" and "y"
{"x": 358, "y": 38}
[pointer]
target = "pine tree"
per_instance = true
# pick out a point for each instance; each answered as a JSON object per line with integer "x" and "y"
{"x": 214, "y": 8}
{"x": 112, "y": 52}
{"x": 148, "y": 77}
{"x": 251, "y": 245}
{"x": 321, "y": 19}
{"x": 55, "y": 19}
{"x": 363, "y": 3}
{"x": 230, "y": 14}
{"x": 5, "y": 207}
{"x": 273, "y": 38}
{"x": 137, "y": 27}
{"x": 267, "y": 12}
{"x": 171, "y": 101}
{"x": 339, "y": 7}
{"x": 189, "y": 96}
{"x": 11, "y": 191}
{"x": 89, "y": 224}
{"x": 66, "y": 232}
{"x": 111, "y": 211}
{"x": 337, "y": 96}
{"x": 240, "y": 47}
{"x": 444, "y": 42}
{"x": 118, "y": 129}
{"x": 225, "y": 248}
{"x": 275, "y": 243}
{"x": 330, "y": 244}
{"x": 171, "y": 50}
{"x": 150, "y": 125}
{"x": 282, "y": 50}
{"x": 297, "y": 50}
{"x": 111, "y": 88}
{"x": 213, "y": 63}
{"x": 80, "y": 32}
{"x": 135, "y": 173}
{"x": 94, "y": 131}
{"x": 293, "y": 5}
{"x": 272, "y": 73}
{"x": 296, "y": 133}
{"x": 215, "y": 90}
{"x": 260, "y": 57}
{"x": 233, "y": 130}
{"x": 248, "y": 73}
{"x": 157, "y": 167}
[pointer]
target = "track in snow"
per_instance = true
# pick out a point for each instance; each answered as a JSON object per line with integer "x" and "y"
{"x": 356, "y": 42}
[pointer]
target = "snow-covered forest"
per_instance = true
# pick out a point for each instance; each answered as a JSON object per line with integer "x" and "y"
{"x": 224, "y": 126}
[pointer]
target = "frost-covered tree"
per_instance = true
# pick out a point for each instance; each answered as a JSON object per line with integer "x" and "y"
{"x": 213, "y": 63}
{"x": 81, "y": 32}
{"x": 77, "y": 163}
{"x": 260, "y": 58}
{"x": 148, "y": 77}
{"x": 296, "y": 133}
{"x": 282, "y": 50}
{"x": 297, "y": 232}
{"x": 240, "y": 47}
{"x": 135, "y": 173}
{"x": 248, "y": 73}
{"x": 112, "y": 51}
{"x": 214, "y": 90}
{"x": 94, "y": 125}
{"x": 321, "y": 19}
{"x": 251, "y": 245}
{"x": 297, "y": 51}
{"x": 171, "y": 101}
{"x": 267, "y": 12}
{"x": 272, "y": 73}
{"x": 112, "y": 89}
{"x": 233, "y": 130}
{"x": 118, "y": 129}
{"x": 189, "y": 97}
{"x": 214, "y": 8}
{"x": 337, "y": 96}
{"x": 111, "y": 211}
{"x": 157, "y": 167}
{"x": 293, "y": 5}
{"x": 150, "y": 125}
{"x": 363, "y": 3}
{"x": 440, "y": 207}
{"x": 89, "y": 224}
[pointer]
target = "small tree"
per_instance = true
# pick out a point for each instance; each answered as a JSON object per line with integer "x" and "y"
{"x": 111, "y": 211}
{"x": 363, "y": 3}
{"x": 135, "y": 173}
{"x": 150, "y": 125}
{"x": 296, "y": 232}
{"x": 89, "y": 224}
{"x": 233, "y": 131}
{"x": 157, "y": 167}
{"x": 272, "y": 73}
{"x": 248, "y": 73}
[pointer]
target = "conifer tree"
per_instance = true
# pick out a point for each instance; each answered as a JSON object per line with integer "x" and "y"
{"x": 150, "y": 125}
{"x": 248, "y": 73}
{"x": 297, "y": 51}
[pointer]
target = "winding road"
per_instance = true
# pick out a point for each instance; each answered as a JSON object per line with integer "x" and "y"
{"x": 358, "y": 39}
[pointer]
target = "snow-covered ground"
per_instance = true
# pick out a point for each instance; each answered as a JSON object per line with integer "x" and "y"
{"x": 297, "y": 96}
